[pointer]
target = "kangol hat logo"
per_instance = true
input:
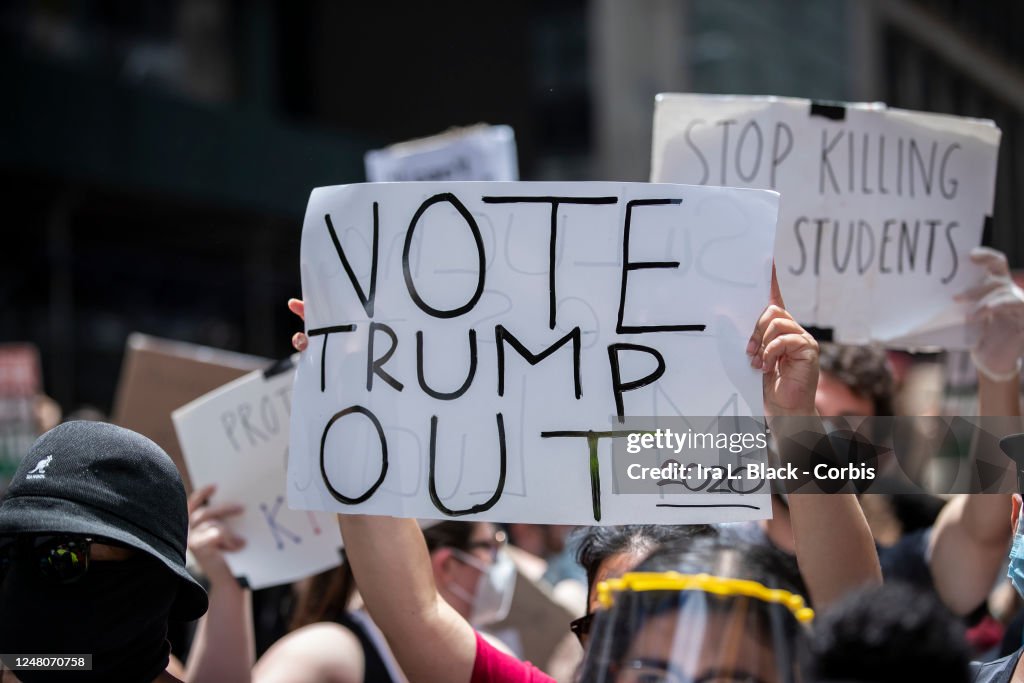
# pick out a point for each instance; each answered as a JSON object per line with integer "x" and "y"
{"x": 39, "y": 471}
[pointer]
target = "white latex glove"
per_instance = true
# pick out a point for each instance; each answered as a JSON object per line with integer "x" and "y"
{"x": 997, "y": 309}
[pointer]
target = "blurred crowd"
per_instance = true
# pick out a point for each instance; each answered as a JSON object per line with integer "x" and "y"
{"x": 95, "y": 525}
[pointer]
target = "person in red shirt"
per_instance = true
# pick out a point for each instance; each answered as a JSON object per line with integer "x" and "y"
{"x": 432, "y": 642}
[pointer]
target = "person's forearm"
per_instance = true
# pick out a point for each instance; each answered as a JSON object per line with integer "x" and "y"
{"x": 834, "y": 546}
{"x": 224, "y": 648}
{"x": 985, "y": 518}
{"x": 391, "y": 564}
{"x": 971, "y": 535}
{"x": 998, "y": 399}
{"x": 392, "y": 568}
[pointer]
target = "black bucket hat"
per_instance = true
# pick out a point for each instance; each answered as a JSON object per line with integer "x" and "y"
{"x": 100, "y": 480}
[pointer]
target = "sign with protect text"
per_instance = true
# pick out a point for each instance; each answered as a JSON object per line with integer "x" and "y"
{"x": 237, "y": 438}
{"x": 473, "y": 346}
{"x": 878, "y": 212}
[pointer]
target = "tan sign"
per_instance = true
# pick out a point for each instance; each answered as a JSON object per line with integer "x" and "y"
{"x": 159, "y": 376}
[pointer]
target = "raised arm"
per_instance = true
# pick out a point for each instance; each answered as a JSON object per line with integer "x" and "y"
{"x": 223, "y": 648}
{"x": 970, "y": 539}
{"x": 390, "y": 561}
{"x": 391, "y": 565}
{"x": 834, "y": 546}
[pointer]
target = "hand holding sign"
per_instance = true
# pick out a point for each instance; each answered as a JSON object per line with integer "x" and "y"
{"x": 788, "y": 357}
{"x": 209, "y": 536}
{"x": 478, "y": 346}
{"x": 997, "y": 308}
{"x": 299, "y": 340}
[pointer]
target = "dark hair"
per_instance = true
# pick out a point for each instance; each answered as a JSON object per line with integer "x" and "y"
{"x": 730, "y": 559}
{"x": 890, "y": 633}
{"x": 325, "y": 598}
{"x": 449, "y": 535}
{"x": 329, "y": 592}
{"x": 916, "y": 511}
{"x": 865, "y": 369}
{"x": 597, "y": 543}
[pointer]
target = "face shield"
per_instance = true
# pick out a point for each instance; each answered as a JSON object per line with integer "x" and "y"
{"x": 695, "y": 628}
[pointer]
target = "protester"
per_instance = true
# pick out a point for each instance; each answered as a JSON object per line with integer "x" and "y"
{"x": 890, "y": 634}
{"x": 1011, "y": 667}
{"x": 606, "y": 552}
{"x": 702, "y": 610}
{"x": 960, "y": 556}
{"x": 432, "y": 642}
{"x": 92, "y": 555}
{"x": 332, "y": 640}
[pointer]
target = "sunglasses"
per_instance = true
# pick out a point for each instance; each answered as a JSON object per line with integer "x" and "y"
{"x": 581, "y": 628}
{"x": 62, "y": 559}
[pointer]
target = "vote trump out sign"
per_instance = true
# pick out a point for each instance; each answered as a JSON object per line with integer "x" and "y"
{"x": 473, "y": 346}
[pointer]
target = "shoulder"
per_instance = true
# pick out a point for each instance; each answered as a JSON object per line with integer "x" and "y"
{"x": 318, "y": 652}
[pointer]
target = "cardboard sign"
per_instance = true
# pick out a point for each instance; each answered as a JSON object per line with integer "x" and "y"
{"x": 472, "y": 345}
{"x": 474, "y": 153}
{"x": 879, "y": 206}
{"x": 20, "y": 385}
{"x": 159, "y": 375}
{"x": 237, "y": 438}
{"x": 536, "y": 624}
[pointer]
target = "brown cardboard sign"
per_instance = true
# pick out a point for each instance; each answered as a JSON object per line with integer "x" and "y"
{"x": 158, "y": 376}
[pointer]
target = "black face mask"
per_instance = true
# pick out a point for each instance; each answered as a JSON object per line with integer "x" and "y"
{"x": 117, "y": 612}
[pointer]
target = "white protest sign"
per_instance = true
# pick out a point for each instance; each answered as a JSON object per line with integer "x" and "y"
{"x": 468, "y": 341}
{"x": 474, "y": 153}
{"x": 879, "y": 207}
{"x": 237, "y": 438}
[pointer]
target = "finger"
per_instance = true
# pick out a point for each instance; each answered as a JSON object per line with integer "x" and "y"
{"x": 991, "y": 259}
{"x": 775, "y": 294}
{"x": 214, "y": 535}
{"x": 769, "y": 314}
{"x": 298, "y": 307}
{"x": 212, "y": 513}
{"x": 300, "y": 341}
{"x": 777, "y": 328}
{"x": 200, "y": 497}
{"x": 787, "y": 344}
{"x": 978, "y": 291}
{"x": 1010, "y": 313}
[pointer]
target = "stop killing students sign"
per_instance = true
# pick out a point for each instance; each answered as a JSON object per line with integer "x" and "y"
{"x": 473, "y": 345}
{"x": 879, "y": 207}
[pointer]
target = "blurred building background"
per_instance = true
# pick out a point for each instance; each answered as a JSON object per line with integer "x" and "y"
{"x": 156, "y": 155}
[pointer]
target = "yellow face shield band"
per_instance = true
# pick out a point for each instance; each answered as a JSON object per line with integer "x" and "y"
{"x": 695, "y": 628}
{"x": 718, "y": 585}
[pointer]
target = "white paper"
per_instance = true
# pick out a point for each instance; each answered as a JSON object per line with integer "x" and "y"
{"x": 722, "y": 240}
{"x": 859, "y": 177}
{"x": 237, "y": 438}
{"x": 474, "y": 153}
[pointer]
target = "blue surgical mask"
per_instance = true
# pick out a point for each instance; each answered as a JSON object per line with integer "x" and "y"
{"x": 1015, "y": 571}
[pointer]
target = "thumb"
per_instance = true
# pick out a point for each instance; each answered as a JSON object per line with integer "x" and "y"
{"x": 775, "y": 294}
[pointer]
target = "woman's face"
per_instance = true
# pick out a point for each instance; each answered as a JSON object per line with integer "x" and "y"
{"x": 711, "y": 648}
